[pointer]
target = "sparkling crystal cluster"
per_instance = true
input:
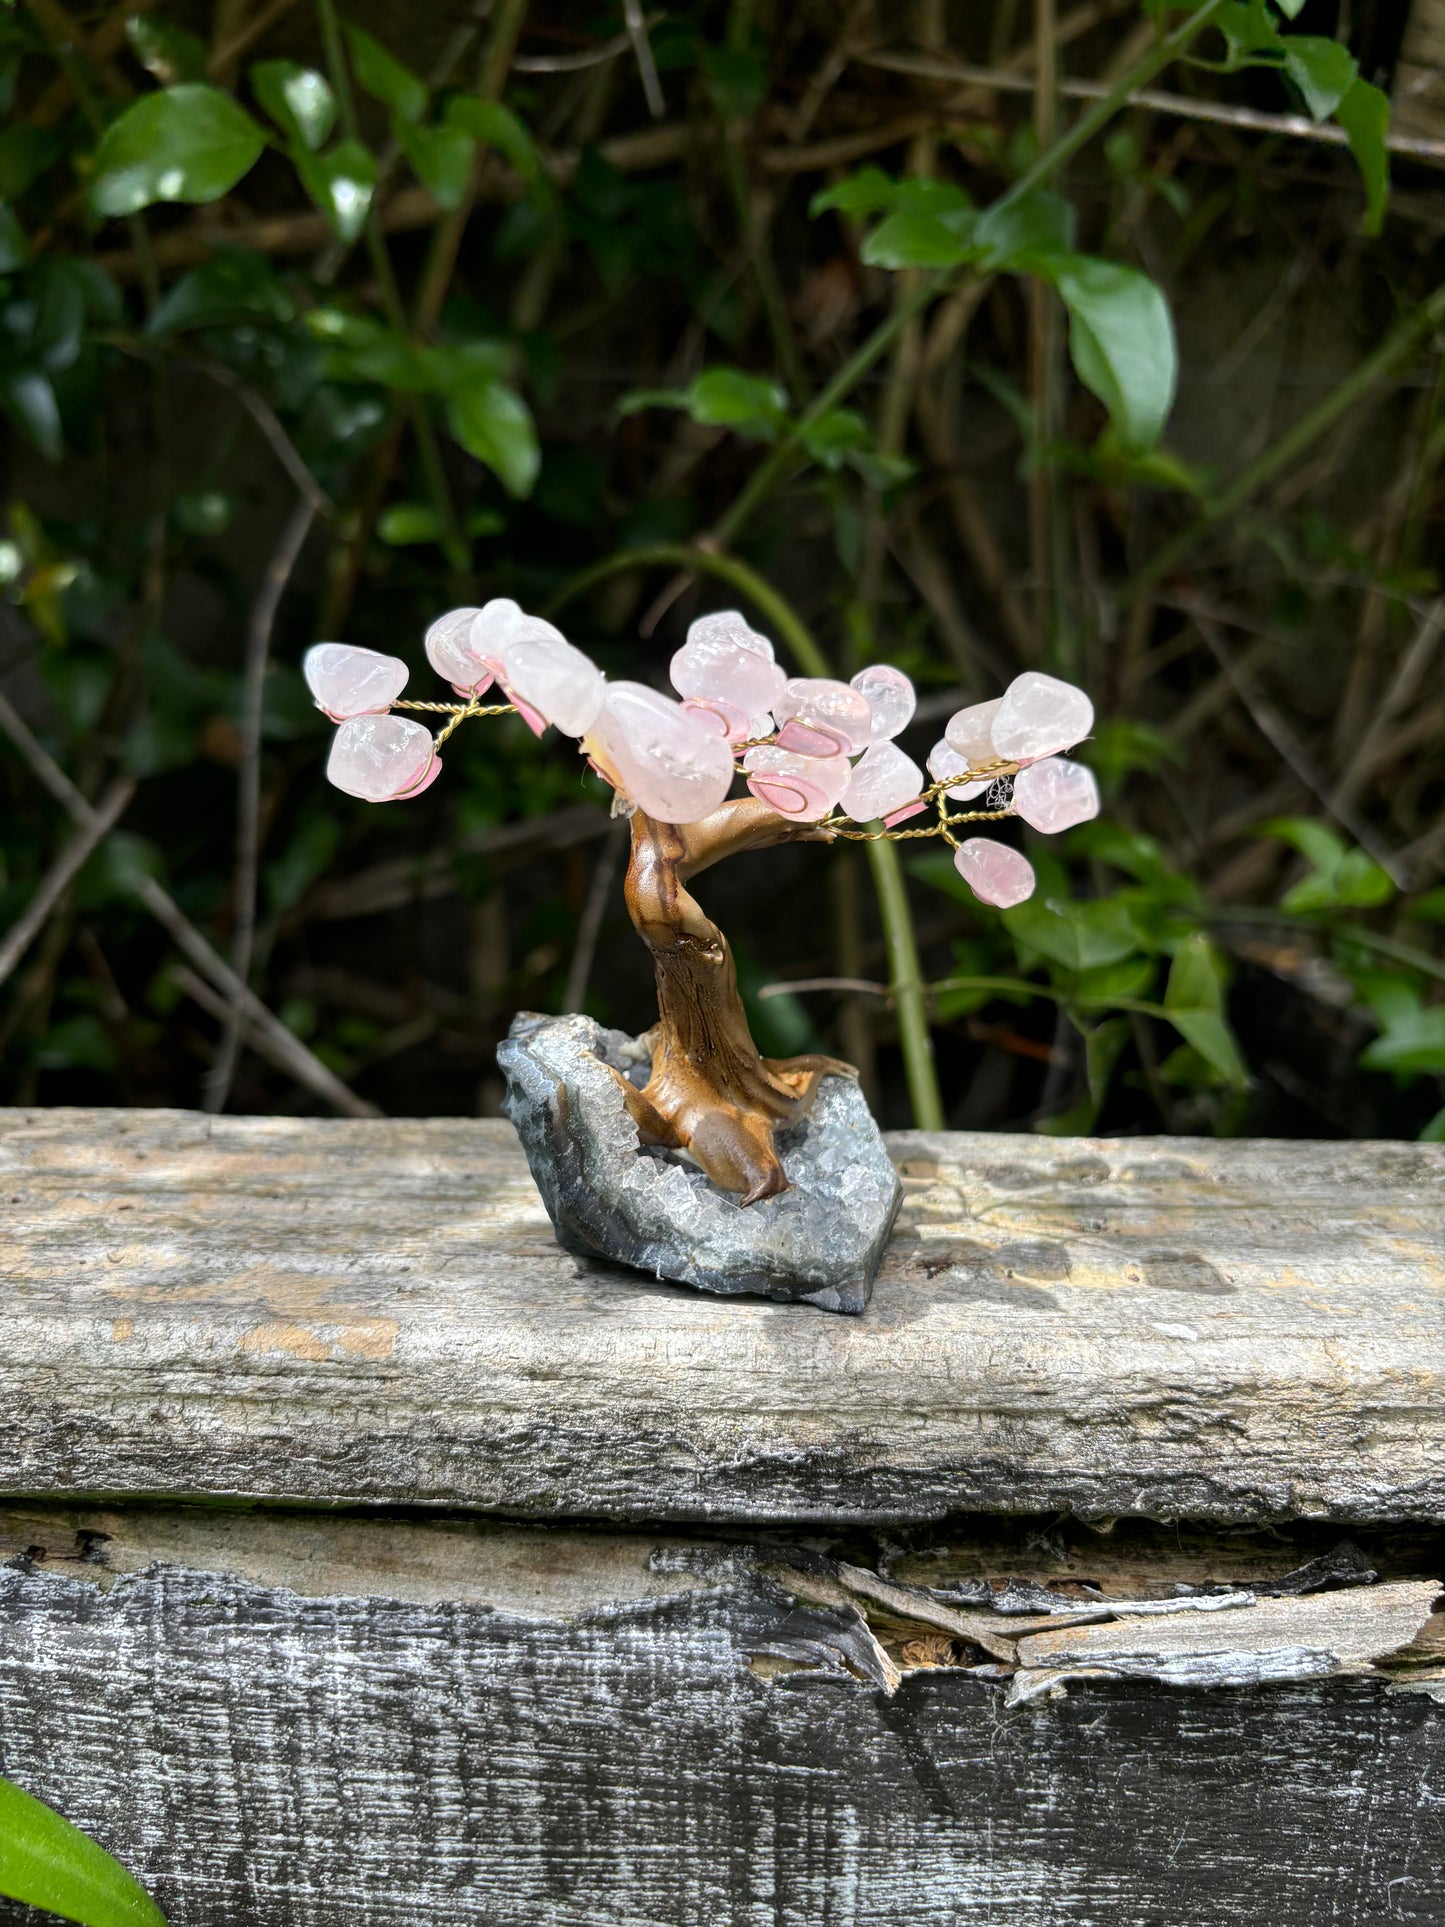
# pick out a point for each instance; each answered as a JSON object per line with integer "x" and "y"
{"x": 808, "y": 746}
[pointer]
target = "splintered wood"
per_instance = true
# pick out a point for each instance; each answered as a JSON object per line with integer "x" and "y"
{"x": 376, "y": 1312}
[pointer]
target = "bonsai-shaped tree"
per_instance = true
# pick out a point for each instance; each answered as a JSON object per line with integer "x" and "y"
{"x": 819, "y": 760}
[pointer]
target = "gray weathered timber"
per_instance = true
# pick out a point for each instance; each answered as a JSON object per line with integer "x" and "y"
{"x": 377, "y": 1312}
{"x": 819, "y": 1243}
{"x": 293, "y": 1722}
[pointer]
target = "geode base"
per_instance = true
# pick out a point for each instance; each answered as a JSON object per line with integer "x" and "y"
{"x": 819, "y": 1243}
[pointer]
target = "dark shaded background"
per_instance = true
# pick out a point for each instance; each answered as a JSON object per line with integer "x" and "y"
{"x": 1286, "y": 667}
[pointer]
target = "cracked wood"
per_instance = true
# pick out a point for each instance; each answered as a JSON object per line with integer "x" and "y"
{"x": 376, "y": 1312}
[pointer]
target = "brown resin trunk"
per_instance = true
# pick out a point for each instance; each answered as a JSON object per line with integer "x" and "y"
{"x": 711, "y": 1092}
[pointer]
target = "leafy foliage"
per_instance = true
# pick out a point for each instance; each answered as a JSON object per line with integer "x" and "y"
{"x": 702, "y": 335}
{"x": 48, "y": 1863}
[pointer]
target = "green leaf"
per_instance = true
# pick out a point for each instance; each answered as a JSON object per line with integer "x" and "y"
{"x": 1412, "y": 1045}
{"x": 492, "y": 422}
{"x": 1194, "y": 1002}
{"x": 235, "y": 285}
{"x": 29, "y": 400}
{"x": 46, "y": 1862}
{"x": 189, "y": 143}
{"x": 861, "y": 193}
{"x": 492, "y": 125}
{"x": 341, "y": 183}
{"x": 1434, "y": 1131}
{"x": 1291, "y": 9}
{"x": 1121, "y": 339}
{"x": 384, "y": 77}
{"x": 441, "y": 159}
{"x": 1364, "y": 113}
{"x": 721, "y": 398}
{"x": 1015, "y": 234}
{"x": 1249, "y": 33}
{"x": 837, "y": 435}
{"x": 1102, "y": 1045}
{"x": 1079, "y": 936}
{"x": 912, "y": 238}
{"x": 166, "y": 51}
{"x": 14, "y": 248}
{"x": 1323, "y": 70}
{"x": 1316, "y": 841}
{"x": 298, "y": 99}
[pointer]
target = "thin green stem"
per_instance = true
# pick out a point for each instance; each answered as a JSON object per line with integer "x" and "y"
{"x": 905, "y": 978}
{"x": 753, "y": 588}
{"x": 1159, "y": 56}
{"x": 1293, "y": 443}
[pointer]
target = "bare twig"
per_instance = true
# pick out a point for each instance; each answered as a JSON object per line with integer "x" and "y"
{"x": 269, "y": 423}
{"x": 262, "y": 621}
{"x": 225, "y": 56}
{"x": 301, "y": 1063}
{"x": 589, "y": 924}
{"x": 1403, "y": 689}
{"x": 1223, "y": 114}
{"x": 1273, "y": 728}
{"x": 58, "y": 877}
{"x": 642, "y": 53}
{"x": 855, "y": 986}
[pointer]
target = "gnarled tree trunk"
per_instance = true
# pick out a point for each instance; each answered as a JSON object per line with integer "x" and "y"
{"x": 711, "y": 1092}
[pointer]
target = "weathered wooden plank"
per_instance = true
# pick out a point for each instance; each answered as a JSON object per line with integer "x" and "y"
{"x": 367, "y": 1312}
{"x": 318, "y": 1721}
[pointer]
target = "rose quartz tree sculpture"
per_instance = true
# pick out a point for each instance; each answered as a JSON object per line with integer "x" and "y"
{"x": 819, "y": 761}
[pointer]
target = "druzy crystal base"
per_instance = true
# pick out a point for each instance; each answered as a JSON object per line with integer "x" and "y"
{"x": 819, "y": 1243}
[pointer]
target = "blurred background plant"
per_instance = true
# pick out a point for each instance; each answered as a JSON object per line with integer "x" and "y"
{"x": 855, "y": 316}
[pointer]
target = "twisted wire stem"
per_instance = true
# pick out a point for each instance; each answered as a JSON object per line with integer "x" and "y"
{"x": 944, "y": 823}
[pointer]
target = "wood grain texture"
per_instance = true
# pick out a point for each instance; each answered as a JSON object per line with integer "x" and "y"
{"x": 376, "y": 1312}
{"x": 349, "y": 1723}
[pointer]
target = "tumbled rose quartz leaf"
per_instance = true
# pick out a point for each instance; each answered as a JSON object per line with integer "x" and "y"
{"x": 1054, "y": 795}
{"x": 1038, "y": 716}
{"x": 943, "y": 762}
{"x": 805, "y": 739}
{"x": 728, "y": 626}
{"x": 380, "y": 758}
{"x": 802, "y": 787}
{"x": 995, "y": 873}
{"x": 451, "y": 652}
{"x": 890, "y": 699}
{"x": 828, "y": 707}
{"x": 967, "y": 734}
{"x": 721, "y": 665}
{"x": 541, "y": 671}
{"x": 347, "y": 681}
{"x": 883, "y": 781}
{"x": 667, "y": 762}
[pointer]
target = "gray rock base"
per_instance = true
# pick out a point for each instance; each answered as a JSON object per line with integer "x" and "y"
{"x": 608, "y": 1197}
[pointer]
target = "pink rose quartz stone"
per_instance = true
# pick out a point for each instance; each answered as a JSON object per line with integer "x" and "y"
{"x": 451, "y": 651}
{"x": 890, "y": 699}
{"x": 820, "y": 717}
{"x": 1054, "y": 795}
{"x": 347, "y": 681}
{"x": 725, "y": 663}
{"x": 1038, "y": 716}
{"x": 382, "y": 758}
{"x": 657, "y": 755}
{"x": 802, "y": 787}
{"x": 995, "y": 873}
{"x": 967, "y": 734}
{"x": 944, "y": 762}
{"x": 884, "y": 781}
{"x": 543, "y": 673}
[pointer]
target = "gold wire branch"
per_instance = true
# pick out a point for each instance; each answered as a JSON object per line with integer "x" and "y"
{"x": 943, "y": 824}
